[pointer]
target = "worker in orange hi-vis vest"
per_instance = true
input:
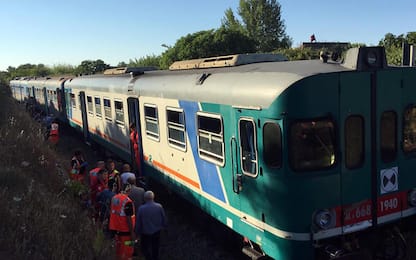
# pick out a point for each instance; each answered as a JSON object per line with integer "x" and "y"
{"x": 122, "y": 221}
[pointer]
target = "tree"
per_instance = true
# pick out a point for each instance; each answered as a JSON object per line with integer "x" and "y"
{"x": 230, "y": 22}
{"x": 393, "y": 46}
{"x": 63, "y": 69}
{"x": 147, "y": 61}
{"x": 208, "y": 43}
{"x": 264, "y": 24}
{"x": 91, "y": 67}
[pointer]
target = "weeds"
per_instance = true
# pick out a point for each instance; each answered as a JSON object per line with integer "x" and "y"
{"x": 41, "y": 216}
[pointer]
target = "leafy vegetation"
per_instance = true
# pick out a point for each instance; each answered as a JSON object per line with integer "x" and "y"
{"x": 393, "y": 45}
{"x": 41, "y": 216}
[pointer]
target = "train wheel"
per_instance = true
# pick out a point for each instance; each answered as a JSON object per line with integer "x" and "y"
{"x": 392, "y": 247}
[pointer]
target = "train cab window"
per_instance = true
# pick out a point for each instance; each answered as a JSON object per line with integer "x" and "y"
{"x": 312, "y": 145}
{"x": 152, "y": 121}
{"x": 89, "y": 105}
{"x": 107, "y": 109}
{"x": 354, "y": 141}
{"x": 118, "y": 105}
{"x": 409, "y": 130}
{"x": 73, "y": 101}
{"x": 210, "y": 138}
{"x": 248, "y": 143}
{"x": 176, "y": 128}
{"x": 272, "y": 145}
{"x": 388, "y": 136}
{"x": 97, "y": 102}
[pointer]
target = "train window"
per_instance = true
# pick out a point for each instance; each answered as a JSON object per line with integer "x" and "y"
{"x": 312, "y": 145}
{"x": 272, "y": 145}
{"x": 107, "y": 109}
{"x": 152, "y": 121}
{"x": 388, "y": 136}
{"x": 89, "y": 105}
{"x": 118, "y": 105}
{"x": 176, "y": 128}
{"x": 79, "y": 101}
{"x": 73, "y": 102}
{"x": 97, "y": 102}
{"x": 248, "y": 143}
{"x": 409, "y": 130}
{"x": 210, "y": 138}
{"x": 354, "y": 141}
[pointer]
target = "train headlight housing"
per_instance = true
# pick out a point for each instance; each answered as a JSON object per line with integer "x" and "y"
{"x": 324, "y": 219}
{"x": 411, "y": 198}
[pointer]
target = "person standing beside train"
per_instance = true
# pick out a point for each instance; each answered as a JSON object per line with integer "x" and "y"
{"x": 114, "y": 180}
{"x": 151, "y": 219}
{"x": 53, "y": 137}
{"x": 134, "y": 139}
{"x": 78, "y": 167}
{"x": 122, "y": 221}
{"x": 126, "y": 174}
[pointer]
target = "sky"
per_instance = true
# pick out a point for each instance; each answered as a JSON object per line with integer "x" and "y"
{"x": 66, "y": 32}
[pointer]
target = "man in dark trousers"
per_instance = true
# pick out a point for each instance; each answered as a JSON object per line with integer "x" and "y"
{"x": 150, "y": 221}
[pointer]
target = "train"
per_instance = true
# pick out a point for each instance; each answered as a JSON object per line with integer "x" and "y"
{"x": 310, "y": 159}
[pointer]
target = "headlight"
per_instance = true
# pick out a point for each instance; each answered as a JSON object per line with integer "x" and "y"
{"x": 324, "y": 219}
{"x": 411, "y": 198}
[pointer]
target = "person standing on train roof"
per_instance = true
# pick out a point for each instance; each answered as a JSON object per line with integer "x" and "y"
{"x": 114, "y": 180}
{"x": 134, "y": 139}
{"x": 126, "y": 174}
{"x": 151, "y": 219}
{"x": 78, "y": 167}
{"x": 122, "y": 222}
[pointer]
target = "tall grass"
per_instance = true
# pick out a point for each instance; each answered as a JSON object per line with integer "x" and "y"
{"x": 40, "y": 217}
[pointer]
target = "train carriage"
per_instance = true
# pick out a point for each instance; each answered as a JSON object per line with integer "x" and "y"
{"x": 98, "y": 106}
{"x": 306, "y": 159}
{"x": 291, "y": 155}
{"x": 19, "y": 89}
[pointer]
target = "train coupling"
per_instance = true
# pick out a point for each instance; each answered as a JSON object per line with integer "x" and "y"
{"x": 250, "y": 250}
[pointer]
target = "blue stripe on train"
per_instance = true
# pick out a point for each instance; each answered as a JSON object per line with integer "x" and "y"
{"x": 207, "y": 172}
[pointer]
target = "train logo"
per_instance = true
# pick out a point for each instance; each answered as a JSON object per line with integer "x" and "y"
{"x": 389, "y": 180}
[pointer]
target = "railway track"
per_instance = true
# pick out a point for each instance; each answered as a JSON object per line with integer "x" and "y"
{"x": 191, "y": 233}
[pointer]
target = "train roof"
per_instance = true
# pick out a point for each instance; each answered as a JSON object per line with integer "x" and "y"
{"x": 252, "y": 85}
{"x": 100, "y": 82}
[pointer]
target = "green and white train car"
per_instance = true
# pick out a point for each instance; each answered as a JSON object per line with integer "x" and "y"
{"x": 293, "y": 155}
{"x": 306, "y": 159}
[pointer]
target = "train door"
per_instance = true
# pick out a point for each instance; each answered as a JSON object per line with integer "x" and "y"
{"x": 355, "y": 138}
{"x": 245, "y": 164}
{"x": 84, "y": 117}
{"x": 388, "y": 173}
{"x": 134, "y": 117}
{"x": 369, "y": 113}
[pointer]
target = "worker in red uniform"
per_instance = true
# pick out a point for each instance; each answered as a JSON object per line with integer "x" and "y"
{"x": 92, "y": 179}
{"x": 134, "y": 139}
{"x": 99, "y": 186}
{"x": 78, "y": 167}
{"x": 54, "y": 133}
{"x": 122, "y": 221}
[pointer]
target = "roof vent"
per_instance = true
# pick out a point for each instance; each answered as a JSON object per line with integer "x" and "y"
{"x": 128, "y": 70}
{"x": 227, "y": 61}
